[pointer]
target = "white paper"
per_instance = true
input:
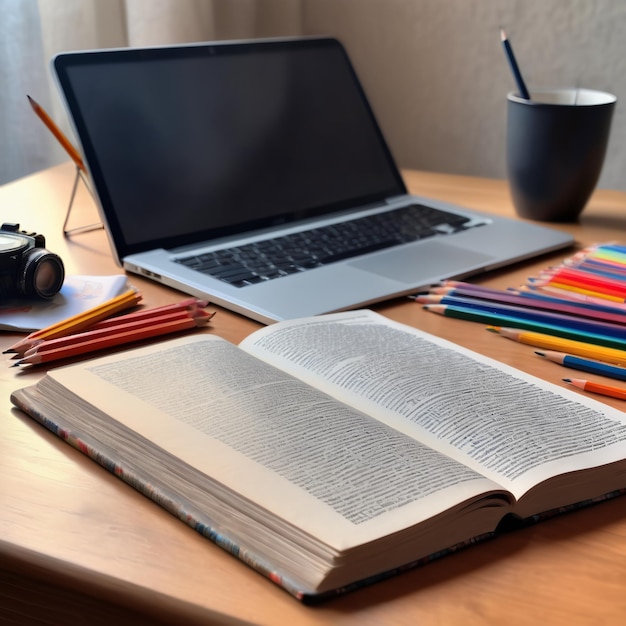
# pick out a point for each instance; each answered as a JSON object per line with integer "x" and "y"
{"x": 78, "y": 294}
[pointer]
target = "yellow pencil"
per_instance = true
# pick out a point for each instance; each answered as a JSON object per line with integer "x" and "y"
{"x": 79, "y": 321}
{"x": 570, "y": 346}
{"x": 586, "y": 292}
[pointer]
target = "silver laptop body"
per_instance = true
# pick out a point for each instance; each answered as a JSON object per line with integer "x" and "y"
{"x": 195, "y": 149}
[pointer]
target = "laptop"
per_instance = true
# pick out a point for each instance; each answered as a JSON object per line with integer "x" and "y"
{"x": 254, "y": 174}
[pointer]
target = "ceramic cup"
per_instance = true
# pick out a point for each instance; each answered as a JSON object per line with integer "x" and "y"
{"x": 555, "y": 147}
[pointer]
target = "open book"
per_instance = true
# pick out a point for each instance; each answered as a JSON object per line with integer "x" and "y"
{"x": 331, "y": 451}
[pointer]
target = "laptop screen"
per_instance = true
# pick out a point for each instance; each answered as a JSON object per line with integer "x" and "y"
{"x": 189, "y": 143}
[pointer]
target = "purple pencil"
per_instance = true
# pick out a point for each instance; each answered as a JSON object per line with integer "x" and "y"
{"x": 508, "y": 297}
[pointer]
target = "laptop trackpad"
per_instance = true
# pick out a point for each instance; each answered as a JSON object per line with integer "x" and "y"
{"x": 428, "y": 258}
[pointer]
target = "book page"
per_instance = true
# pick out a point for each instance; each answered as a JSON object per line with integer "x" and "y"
{"x": 514, "y": 428}
{"x": 322, "y": 466}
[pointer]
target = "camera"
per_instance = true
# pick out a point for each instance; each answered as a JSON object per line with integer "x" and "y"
{"x": 26, "y": 267}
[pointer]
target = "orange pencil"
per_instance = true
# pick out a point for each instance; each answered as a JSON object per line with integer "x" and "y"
{"x": 110, "y": 341}
{"x": 56, "y": 131}
{"x": 109, "y": 331}
{"x": 603, "y": 295}
{"x": 80, "y": 321}
{"x": 605, "y": 390}
{"x": 603, "y": 291}
{"x": 583, "y": 277}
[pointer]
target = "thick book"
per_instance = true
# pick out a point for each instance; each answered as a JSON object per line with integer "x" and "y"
{"x": 332, "y": 451}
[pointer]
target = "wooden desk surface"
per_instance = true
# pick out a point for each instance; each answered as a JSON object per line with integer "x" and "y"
{"x": 77, "y": 545}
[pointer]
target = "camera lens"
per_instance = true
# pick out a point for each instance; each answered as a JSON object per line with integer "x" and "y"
{"x": 42, "y": 274}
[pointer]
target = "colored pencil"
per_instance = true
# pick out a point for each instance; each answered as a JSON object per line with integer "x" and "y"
{"x": 500, "y": 319}
{"x": 598, "y": 268}
{"x": 80, "y": 321}
{"x": 580, "y": 278}
{"x": 564, "y": 286}
{"x": 557, "y": 295}
{"x": 58, "y": 134}
{"x": 38, "y": 357}
{"x": 612, "y": 252}
{"x": 558, "y": 344}
{"x": 584, "y": 365}
{"x": 605, "y": 390}
{"x": 470, "y": 298}
{"x": 521, "y": 85}
{"x": 188, "y": 304}
{"x": 108, "y": 331}
{"x": 530, "y": 292}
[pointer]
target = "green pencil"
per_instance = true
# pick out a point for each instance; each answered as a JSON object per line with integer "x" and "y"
{"x": 496, "y": 319}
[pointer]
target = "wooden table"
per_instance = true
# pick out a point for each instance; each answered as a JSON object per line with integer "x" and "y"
{"x": 79, "y": 546}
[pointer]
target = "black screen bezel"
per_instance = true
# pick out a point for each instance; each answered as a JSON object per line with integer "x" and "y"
{"x": 64, "y": 62}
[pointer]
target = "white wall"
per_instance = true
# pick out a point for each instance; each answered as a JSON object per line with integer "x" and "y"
{"x": 437, "y": 76}
{"x": 434, "y": 70}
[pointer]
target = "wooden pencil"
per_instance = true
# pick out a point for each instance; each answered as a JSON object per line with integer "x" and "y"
{"x": 615, "y": 340}
{"x": 108, "y": 331}
{"x": 528, "y": 306}
{"x": 188, "y": 304}
{"x": 92, "y": 345}
{"x": 590, "y": 366}
{"x": 80, "y": 321}
{"x": 604, "y": 390}
{"x": 558, "y": 344}
{"x": 58, "y": 134}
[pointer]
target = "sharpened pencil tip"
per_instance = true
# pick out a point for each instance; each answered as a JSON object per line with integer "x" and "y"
{"x": 540, "y": 353}
{"x": 9, "y": 351}
{"x": 567, "y": 380}
{"x": 493, "y": 329}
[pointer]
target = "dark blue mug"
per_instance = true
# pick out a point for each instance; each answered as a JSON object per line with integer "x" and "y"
{"x": 556, "y": 144}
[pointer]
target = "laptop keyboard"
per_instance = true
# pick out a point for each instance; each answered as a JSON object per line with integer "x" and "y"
{"x": 272, "y": 258}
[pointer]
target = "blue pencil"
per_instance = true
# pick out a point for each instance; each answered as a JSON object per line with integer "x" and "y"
{"x": 599, "y": 268}
{"x": 585, "y": 365}
{"x": 586, "y": 325}
{"x": 521, "y": 85}
{"x": 495, "y": 319}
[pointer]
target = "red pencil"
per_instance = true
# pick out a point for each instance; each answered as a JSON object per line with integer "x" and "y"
{"x": 588, "y": 278}
{"x": 91, "y": 345}
{"x": 120, "y": 327}
{"x": 582, "y": 280}
{"x": 183, "y": 305}
{"x": 79, "y": 321}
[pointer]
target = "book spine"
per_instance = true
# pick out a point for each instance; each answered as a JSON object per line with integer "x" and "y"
{"x": 161, "y": 496}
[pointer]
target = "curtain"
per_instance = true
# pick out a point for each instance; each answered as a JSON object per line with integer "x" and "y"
{"x": 32, "y": 31}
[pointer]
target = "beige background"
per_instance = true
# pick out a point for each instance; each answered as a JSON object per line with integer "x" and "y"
{"x": 434, "y": 70}
{"x": 437, "y": 76}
